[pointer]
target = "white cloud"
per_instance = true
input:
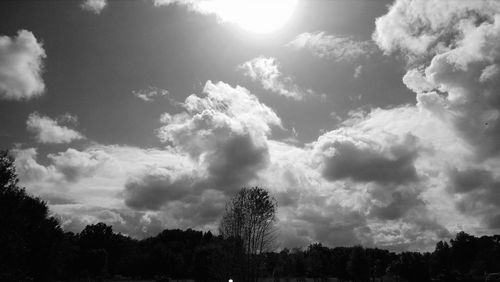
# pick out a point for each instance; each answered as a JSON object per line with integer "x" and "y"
{"x": 21, "y": 65}
{"x": 357, "y": 71}
{"x": 458, "y": 80}
{"x": 225, "y": 131}
{"x": 149, "y": 94}
{"x": 74, "y": 164}
{"x": 333, "y": 47}
{"x": 452, "y": 47}
{"x": 267, "y": 72}
{"x": 94, "y": 6}
{"x": 47, "y": 130}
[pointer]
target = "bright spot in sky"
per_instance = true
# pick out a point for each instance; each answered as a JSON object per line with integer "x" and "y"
{"x": 261, "y": 16}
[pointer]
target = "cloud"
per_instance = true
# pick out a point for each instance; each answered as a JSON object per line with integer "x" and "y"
{"x": 74, "y": 164}
{"x": 94, "y": 6}
{"x": 21, "y": 66}
{"x": 221, "y": 109}
{"x": 338, "y": 48}
{"x": 399, "y": 205}
{"x": 95, "y": 175}
{"x": 453, "y": 48}
{"x": 331, "y": 225}
{"x": 267, "y": 72}
{"x": 357, "y": 71}
{"x": 28, "y": 168}
{"x": 479, "y": 191}
{"x": 224, "y": 132}
{"x": 47, "y": 130}
{"x": 343, "y": 155}
{"x": 149, "y": 94}
{"x": 152, "y": 191}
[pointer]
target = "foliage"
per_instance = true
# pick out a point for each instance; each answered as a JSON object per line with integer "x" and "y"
{"x": 249, "y": 223}
{"x": 29, "y": 237}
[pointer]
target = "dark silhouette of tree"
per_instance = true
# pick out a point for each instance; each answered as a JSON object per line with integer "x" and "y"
{"x": 249, "y": 221}
{"x": 414, "y": 266}
{"x": 379, "y": 261}
{"x": 440, "y": 264}
{"x": 340, "y": 257}
{"x": 318, "y": 261}
{"x": 29, "y": 237}
{"x": 358, "y": 266}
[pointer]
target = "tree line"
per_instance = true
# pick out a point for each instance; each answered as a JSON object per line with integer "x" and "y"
{"x": 33, "y": 247}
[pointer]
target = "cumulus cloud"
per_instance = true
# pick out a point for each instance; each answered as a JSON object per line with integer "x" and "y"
{"x": 452, "y": 52}
{"x": 453, "y": 47}
{"x": 267, "y": 72}
{"x": 94, "y": 6}
{"x": 28, "y": 168}
{"x": 224, "y": 132}
{"x": 21, "y": 66}
{"x": 47, "y": 130}
{"x": 333, "y": 47}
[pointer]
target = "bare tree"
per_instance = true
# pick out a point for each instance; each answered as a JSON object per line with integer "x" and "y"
{"x": 249, "y": 220}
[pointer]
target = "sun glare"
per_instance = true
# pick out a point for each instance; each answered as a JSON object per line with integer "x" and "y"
{"x": 260, "y": 16}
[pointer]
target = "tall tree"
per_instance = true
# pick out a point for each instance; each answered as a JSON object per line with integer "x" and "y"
{"x": 249, "y": 221}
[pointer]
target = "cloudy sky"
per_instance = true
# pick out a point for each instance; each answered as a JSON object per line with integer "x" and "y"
{"x": 371, "y": 122}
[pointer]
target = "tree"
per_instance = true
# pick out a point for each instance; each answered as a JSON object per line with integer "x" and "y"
{"x": 249, "y": 222}
{"x": 358, "y": 266}
{"x": 29, "y": 237}
{"x": 318, "y": 261}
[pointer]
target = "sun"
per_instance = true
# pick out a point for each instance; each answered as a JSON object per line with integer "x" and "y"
{"x": 260, "y": 16}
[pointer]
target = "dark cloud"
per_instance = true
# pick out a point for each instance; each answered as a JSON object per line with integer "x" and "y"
{"x": 365, "y": 164}
{"x": 480, "y": 192}
{"x": 151, "y": 192}
{"x": 493, "y": 221}
{"x": 202, "y": 209}
{"x": 289, "y": 197}
{"x": 468, "y": 180}
{"x": 231, "y": 166}
{"x": 346, "y": 230}
{"x": 400, "y": 204}
{"x": 235, "y": 162}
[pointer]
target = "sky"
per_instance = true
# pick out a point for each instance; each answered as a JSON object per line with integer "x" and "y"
{"x": 371, "y": 122}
